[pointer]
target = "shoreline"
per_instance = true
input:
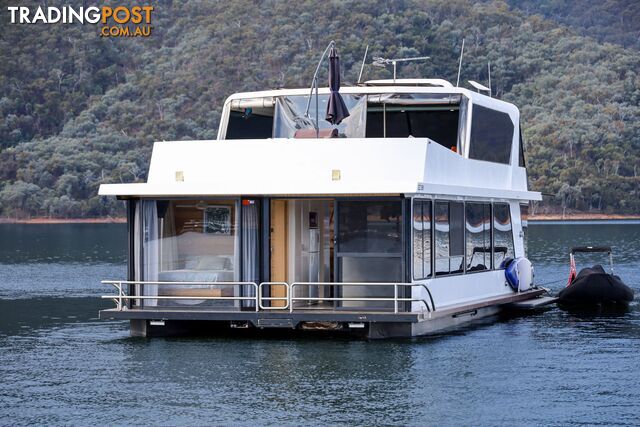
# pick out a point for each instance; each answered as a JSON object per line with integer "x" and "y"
{"x": 122, "y": 220}
{"x": 581, "y": 217}
{"x": 107, "y": 220}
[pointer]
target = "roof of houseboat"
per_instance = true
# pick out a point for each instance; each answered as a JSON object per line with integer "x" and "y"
{"x": 426, "y": 86}
{"x": 342, "y": 166}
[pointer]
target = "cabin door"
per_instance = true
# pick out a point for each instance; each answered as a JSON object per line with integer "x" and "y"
{"x": 369, "y": 248}
{"x": 279, "y": 253}
{"x": 301, "y": 243}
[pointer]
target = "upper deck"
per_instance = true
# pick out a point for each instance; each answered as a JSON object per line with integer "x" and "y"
{"x": 411, "y": 137}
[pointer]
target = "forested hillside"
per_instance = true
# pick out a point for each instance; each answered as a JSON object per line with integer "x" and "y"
{"x": 77, "y": 110}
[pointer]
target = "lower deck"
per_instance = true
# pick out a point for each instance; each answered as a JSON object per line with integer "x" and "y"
{"x": 324, "y": 317}
{"x": 367, "y": 262}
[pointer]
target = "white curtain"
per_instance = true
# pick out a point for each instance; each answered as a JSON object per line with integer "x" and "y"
{"x": 249, "y": 250}
{"x": 151, "y": 249}
{"x": 137, "y": 245}
{"x": 168, "y": 241}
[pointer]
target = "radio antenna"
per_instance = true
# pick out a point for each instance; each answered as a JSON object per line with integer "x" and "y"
{"x": 460, "y": 63}
{"x": 379, "y": 61}
{"x": 362, "y": 66}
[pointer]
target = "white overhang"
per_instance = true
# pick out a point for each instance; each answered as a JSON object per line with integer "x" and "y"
{"x": 315, "y": 167}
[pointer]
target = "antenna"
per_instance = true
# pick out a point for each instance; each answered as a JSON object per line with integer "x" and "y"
{"x": 479, "y": 87}
{"x": 378, "y": 61}
{"x": 362, "y": 66}
{"x": 489, "y": 69}
{"x": 460, "y": 63}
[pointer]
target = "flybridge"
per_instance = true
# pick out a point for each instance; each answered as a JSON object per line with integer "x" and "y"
{"x": 81, "y": 15}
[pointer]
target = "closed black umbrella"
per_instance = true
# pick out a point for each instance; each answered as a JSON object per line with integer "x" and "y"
{"x": 336, "y": 109}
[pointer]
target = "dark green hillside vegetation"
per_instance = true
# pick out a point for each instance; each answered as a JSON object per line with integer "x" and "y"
{"x": 77, "y": 110}
{"x": 612, "y": 21}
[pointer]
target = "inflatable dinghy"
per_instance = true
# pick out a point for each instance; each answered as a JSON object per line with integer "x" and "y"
{"x": 594, "y": 286}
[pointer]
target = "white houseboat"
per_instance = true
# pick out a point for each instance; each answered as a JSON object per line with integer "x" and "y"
{"x": 396, "y": 222}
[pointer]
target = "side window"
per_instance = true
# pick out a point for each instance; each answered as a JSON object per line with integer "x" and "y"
{"x": 524, "y": 220}
{"x": 491, "y": 135}
{"x": 521, "y": 161}
{"x": 249, "y": 125}
{"x": 449, "y": 231}
{"x": 502, "y": 234}
{"x": 478, "y": 223}
{"x": 421, "y": 239}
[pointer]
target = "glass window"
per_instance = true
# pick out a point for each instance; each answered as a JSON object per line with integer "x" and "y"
{"x": 370, "y": 227}
{"x": 524, "y": 221}
{"x": 191, "y": 241}
{"x": 370, "y": 249}
{"x": 521, "y": 161}
{"x": 478, "y": 223}
{"x": 439, "y": 124}
{"x": 250, "y": 125}
{"x": 491, "y": 135}
{"x": 502, "y": 234}
{"x": 449, "y": 231}
{"x": 290, "y": 116}
{"x": 421, "y": 238}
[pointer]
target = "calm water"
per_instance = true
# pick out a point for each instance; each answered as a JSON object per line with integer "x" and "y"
{"x": 60, "y": 365}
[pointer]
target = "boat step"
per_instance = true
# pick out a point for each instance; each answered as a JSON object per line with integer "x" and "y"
{"x": 531, "y": 304}
{"x": 275, "y": 323}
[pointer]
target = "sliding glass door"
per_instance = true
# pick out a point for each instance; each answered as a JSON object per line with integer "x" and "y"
{"x": 369, "y": 248}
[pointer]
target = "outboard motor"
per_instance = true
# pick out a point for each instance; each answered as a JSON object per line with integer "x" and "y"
{"x": 519, "y": 274}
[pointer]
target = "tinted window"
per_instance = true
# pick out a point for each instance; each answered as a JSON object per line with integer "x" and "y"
{"x": 521, "y": 161}
{"x": 421, "y": 239}
{"x": 438, "y": 124}
{"x": 449, "y": 232}
{"x": 502, "y": 234}
{"x": 249, "y": 126}
{"x": 478, "y": 223}
{"x": 524, "y": 220}
{"x": 370, "y": 227}
{"x": 491, "y": 135}
{"x": 369, "y": 249}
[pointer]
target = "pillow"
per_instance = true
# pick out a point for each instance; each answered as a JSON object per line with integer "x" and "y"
{"x": 228, "y": 263}
{"x": 211, "y": 263}
{"x": 191, "y": 263}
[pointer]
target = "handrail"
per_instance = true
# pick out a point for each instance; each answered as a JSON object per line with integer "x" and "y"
{"x": 284, "y": 298}
{"x": 259, "y": 298}
{"x": 118, "y": 284}
{"x": 395, "y": 298}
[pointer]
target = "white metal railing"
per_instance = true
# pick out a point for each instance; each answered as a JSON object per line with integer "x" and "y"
{"x": 270, "y": 298}
{"x": 259, "y": 299}
{"x": 121, "y": 297}
{"x": 395, "y": 299}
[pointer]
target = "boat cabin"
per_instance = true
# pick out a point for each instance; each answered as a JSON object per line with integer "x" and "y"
{"x": 397, "y": 221}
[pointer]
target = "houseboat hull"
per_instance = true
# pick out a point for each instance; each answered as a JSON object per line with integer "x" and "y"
{"x": 369, "y": 325}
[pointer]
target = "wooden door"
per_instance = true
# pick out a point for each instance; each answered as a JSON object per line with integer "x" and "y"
{"x": 278, "y": 250}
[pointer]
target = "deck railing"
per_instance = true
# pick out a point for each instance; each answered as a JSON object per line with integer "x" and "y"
{"x": 260, "y": 300}
{"x": 122, "y": 296}
{"x": 341, "y": 285}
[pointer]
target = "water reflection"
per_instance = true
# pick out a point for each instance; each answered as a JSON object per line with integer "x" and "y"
{"x": 56, "y": 243}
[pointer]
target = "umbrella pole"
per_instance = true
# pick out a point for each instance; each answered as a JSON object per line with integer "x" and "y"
{"x": 314, "y": 82}
{"x": 317, "y": 112}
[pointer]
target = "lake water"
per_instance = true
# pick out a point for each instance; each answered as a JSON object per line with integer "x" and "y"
{"x": 59, "y": 364}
